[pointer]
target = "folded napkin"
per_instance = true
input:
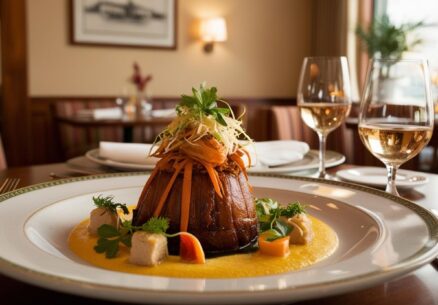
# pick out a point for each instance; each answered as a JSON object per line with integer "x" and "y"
{"x": 269, "y": 153}
{"x": 102, "y": 113}
{"x": 127, "y": 152}
{"x": 163, "y": 113}
{"x": 107, "y": 113}
{"x": 276, "y": 153}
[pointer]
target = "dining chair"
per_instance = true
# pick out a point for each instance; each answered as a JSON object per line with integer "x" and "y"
{"x": 75, "y": 141}
{"x": 285, "y": 123}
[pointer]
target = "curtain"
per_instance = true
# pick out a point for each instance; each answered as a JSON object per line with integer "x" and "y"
{"x": 333, "y": 34}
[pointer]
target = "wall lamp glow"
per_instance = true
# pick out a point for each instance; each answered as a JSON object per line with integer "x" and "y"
{"x": 213, "y": 30}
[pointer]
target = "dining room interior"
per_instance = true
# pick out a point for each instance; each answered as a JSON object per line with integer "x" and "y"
{"x": 50, "y": 76}
{"x": 335, "y": 95}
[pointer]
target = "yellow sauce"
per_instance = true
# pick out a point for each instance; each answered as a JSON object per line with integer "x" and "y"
{"x": 323, "y": 245}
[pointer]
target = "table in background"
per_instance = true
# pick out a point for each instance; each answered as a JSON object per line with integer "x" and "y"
{"x": 417, "y": 288}
{"x": 127, "y": 123}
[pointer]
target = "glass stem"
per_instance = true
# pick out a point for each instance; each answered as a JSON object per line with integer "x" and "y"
{"x": 392, "y": 173}
{"x": 322, "y": 138}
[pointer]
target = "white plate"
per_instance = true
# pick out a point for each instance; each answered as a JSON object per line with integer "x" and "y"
{"x": 93, "y": 155}
{"x": 377, "y": 177}
{"x": 310, "y": 161}
{"x": 381, "y": 237}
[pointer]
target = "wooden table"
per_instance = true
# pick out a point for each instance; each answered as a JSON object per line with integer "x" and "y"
{"x": 417, "y": 288}
{"x": 126, "y": 122}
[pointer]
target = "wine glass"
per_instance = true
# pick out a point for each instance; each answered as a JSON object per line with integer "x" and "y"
{"x": 396, "y": 113}
{"x": 324, "y": 98}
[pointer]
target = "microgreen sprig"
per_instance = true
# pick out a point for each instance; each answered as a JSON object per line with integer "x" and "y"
{"x": 269, "y": 214}
{"x": 109, "y": 239}
{"x": 108, "y": 203}
{"x": 204, "y": 102}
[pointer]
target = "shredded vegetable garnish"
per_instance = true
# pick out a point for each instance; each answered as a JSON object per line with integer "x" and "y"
{"x": 199, "y": 117}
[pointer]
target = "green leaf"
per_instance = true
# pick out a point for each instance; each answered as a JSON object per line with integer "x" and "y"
{"x": 101, "y": 246}
{"x": 273, "y": 235}
{"x": 386, "y": 39}
{"x": 204, "y": 102}
{"x": 112, "y": 249}
{"x": 223, "y": 110}
{"x": 265, "y": 205}
{"x": 282, "y": 227}
{"x": 108, "y": 203}
{"x": 292, "y": 209}
{"x": 156, "y": 225}
{"x": 126, "y": 240}
{"x": 220, "y": 119}
{"x": 107, "y": 231}
{"x": 124, "y": 208}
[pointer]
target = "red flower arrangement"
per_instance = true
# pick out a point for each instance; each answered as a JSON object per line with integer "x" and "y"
{"x": 138, "y": 79}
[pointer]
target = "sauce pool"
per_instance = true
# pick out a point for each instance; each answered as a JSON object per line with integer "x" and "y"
{"x": 253, "y": 264}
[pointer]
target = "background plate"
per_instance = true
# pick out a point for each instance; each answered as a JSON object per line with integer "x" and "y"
{"x": 377, "y": 177}
{"x": 310, "y": 161}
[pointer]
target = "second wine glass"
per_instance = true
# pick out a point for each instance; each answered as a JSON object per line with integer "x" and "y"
{"x": 324, "y": 98}
{"x": 396, "y": 116}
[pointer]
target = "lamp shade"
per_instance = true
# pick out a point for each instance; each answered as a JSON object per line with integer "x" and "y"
{"x": 213, "y": 30}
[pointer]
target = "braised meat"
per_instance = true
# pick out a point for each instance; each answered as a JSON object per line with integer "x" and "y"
{"x": 222, "y": 225}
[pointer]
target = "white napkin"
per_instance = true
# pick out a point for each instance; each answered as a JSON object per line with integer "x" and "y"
{"x": 101, "y": 113}
{"x": 268, "y": 153}
{"x": 107, "y": 113}
{"x": 163, "y": 113}
{"x": 276, "y": 153}
{"x": 127, "y": 152}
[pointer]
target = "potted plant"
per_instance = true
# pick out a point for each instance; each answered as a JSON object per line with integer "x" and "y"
{"x": 386, "y": 40}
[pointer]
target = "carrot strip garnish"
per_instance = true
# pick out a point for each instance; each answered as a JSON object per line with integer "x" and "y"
{"x": 186, "y": 192}
{"x": 168, "y": 188}
{"x": 240, "y": 164}
{"x": 213, "y": 178}
{"x": 221, "y": 186}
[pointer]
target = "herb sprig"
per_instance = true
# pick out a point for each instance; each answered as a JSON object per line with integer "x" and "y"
{"x": 110, "y": 237}
{"x": 269, "y": 214}
{"x": 204, "y": 102}
{"x": 108, "y": 203}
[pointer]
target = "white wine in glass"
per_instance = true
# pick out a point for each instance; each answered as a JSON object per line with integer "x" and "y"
{"x": 324, "y": 98}
{"x": 396, "y": 117}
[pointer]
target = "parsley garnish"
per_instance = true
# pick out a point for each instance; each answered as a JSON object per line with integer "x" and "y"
{"x": 156, "y": 225}
{"x": 269, "y": 212}
{"x": 292, "y": 209}
{"x": 203, "y": 102}
{"x": 110, "y": 237}
{"x": 108, "y": 203}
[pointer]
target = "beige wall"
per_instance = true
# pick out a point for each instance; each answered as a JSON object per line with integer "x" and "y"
{"x": 266, "y": 44}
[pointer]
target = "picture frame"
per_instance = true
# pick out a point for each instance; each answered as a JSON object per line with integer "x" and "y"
{"x": 125, "y": 23}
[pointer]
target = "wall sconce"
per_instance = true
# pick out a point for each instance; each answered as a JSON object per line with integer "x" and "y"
{"x": 213, "y": 30}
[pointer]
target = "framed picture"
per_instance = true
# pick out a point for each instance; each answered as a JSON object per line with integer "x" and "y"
{"x": 137, "y": 23}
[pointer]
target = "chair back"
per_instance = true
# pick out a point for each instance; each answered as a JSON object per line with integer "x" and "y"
{"x": 285, "y": 123}
{"x": 75, "y": 141}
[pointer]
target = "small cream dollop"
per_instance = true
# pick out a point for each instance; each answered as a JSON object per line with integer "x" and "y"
{"x": 302, "y": 232}
{"x": 148, "y": 249}
{"x": 99, "y": 217}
